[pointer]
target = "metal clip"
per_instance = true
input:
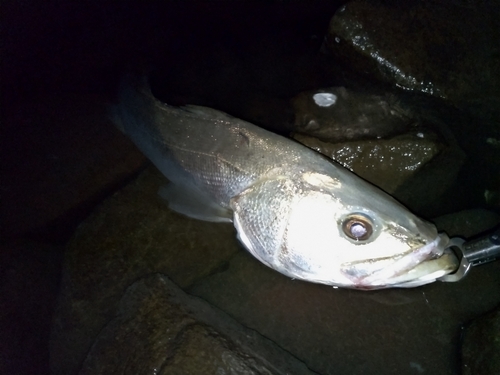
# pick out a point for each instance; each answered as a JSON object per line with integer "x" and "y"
{"x": 473, "y": 253}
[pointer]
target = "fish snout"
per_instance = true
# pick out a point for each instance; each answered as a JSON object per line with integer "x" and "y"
{"x": 394, "y": 270}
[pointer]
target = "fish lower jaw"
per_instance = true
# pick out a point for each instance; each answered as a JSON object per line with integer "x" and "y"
{"x": 414, "y": 269}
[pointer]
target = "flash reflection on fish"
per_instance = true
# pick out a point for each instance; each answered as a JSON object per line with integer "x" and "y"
{"x": 295, "y": 211}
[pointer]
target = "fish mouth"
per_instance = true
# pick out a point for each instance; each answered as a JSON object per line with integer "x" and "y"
{"x": 398, "y": 270}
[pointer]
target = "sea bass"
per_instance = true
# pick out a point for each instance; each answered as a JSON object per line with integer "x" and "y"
{"x": 294, "y": 210}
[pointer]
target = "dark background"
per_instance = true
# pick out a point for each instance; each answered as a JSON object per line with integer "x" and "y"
{"x": 60, "y": 61}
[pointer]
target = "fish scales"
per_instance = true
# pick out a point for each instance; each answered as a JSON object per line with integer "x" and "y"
{"x": 297, "y": 212}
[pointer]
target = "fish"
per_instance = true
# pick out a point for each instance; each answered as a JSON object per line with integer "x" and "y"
{"x": 294, "y": 210}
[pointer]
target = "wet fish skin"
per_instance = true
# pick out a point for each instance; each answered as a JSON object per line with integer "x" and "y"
{"x": 289, "y": 204}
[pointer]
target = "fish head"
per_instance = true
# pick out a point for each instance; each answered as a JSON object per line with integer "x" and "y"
{"x": 344, "y": 231}
{"x": 340, "y": 231}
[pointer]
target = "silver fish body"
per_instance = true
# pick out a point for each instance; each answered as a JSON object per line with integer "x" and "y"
{"x": 293, "y": 209}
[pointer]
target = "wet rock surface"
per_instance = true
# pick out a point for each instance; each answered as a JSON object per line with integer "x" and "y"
{"x": 430, "y": 47}
{"x": 339, "y": 114}
{"x": 441, "y": 175}
{"x": 160, "y": 329}
{"x": 356, "y": 129}
{"x": 386, "y": 163}
{"x": 443, "y": 50}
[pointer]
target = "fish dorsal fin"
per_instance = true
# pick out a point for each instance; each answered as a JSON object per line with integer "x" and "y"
{"x": 191, "y": 202}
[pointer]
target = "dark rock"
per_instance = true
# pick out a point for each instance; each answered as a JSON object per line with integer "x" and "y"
{"x": 339, "y": 114}
{"x": 432, "y": 190}
{"x": 131, "y": 235}
{"x": 481, "y": 345}
{"x": 386, "y": 163}
{"x": 492, "y": 191}
{"x": 492, "y": 197}
{"x": 339, "y": 331}
{"x": 445, "y": 50}
{"x": 160, "y": 329}
{"x": 467, "y": 223}
{"x": 419, "y": 166}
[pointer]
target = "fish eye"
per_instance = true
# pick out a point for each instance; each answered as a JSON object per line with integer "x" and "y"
{"x": 357, "y": 227}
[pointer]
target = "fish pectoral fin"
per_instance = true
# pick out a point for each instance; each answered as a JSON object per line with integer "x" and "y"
{"x": 193, "y": 203}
